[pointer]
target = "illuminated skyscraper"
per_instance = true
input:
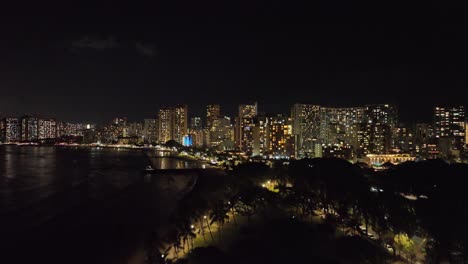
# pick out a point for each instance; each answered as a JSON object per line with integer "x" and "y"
{"x": 195, "y": 123}
{"x": 135, "y": 129}
{"x": 343, "y": 127}
{"x": 244, "y": 124}
{"x": 120, "y": 121}
{"x": 381, "y": 120}
{"x": 221, "y": 133}
{"x": 47, "y": 128}
{"x": 180, "y": 123}
{"x": 382, "y": 113}
{"x": 260, "y": 136}
{"x": 12, "y": 127}
{"x": 306, "y": 128}
{"x": 403, "y": 139}
{"x": 212, "y": 112}
{"x": 247, "y": 126}
{"x": 2, "y": 130}
{"x": 72, "y": 129}
{"x": 466, "y": 134}
{"x": 29, "y": 129}
{"x": 280, "y": 137}
{"x": 423, "y": 138}
{"x": 173, "y": 123}
{"x": 196, "y": 131}
{"x": 166, "y": 124}
{"x": 449, "y": 126}
{"x": 150, "y": 130}
{"x": 248, "y": 111}
{"x": 449, "y": 121}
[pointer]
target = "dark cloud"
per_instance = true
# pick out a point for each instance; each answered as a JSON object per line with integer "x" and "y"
{"x": 145, "y": 49}
{"x": 88, "y": 42}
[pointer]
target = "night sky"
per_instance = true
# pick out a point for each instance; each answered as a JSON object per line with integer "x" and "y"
{"x": 91, "y": 63}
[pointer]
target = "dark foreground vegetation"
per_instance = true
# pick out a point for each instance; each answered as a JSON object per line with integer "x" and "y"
{"x": 322, "y": 211}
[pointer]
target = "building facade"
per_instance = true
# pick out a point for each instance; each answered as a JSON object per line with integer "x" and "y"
{"x": 449, "y": 130}
{"x": 150, "y": 130}
{"x": 212, "y": 112}
{"x": 244, "y": 126}
{"x": 29, "y": 129}
{"x": 306, "y": 128}
{"x": 173, "y": 123}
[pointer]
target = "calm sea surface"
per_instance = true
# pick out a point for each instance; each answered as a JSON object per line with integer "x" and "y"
{"x": 79, "y": 205}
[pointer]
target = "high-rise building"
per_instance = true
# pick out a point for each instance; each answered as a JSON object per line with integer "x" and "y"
{"x": 449, "y": 127}
{"x": 404, "y": 139}
{"x": 2, "y": 130}
{"x": 166, "y": 124}
{"x": 381, "y": 120}
{"x": 71, "y": 129}
{"x": 280, "y": 137}
{"x": 197, "y": 137}
{"x": 466, "y": 133}
{"x": 180, "y": 123}
{"x": 247, "y": 126}
{"x": 382, "y": 113}
{"x": 269, "y": 136}
{"x": 12, "y": 126}
{"x": 424, "y": 144}
{"x": 340, "y": 125}
{"x": 120, "y": 121}
{"x": 248, "y": 111}
{"x": 90, "y": 135}
{"x": 150, "y": 130}
{"x": 135, "y": 129}
{"x": 196, "y": 131}
{"x": 173, "y": 123}
{"x": 112, "y": 132}
{"x": 260, "y": 136}
{"x": 196, "y": 123}
{"x": 306, "y": 128}
{"x": 212, "y": 112}
{"x": 29, "y": 129}
{"x": 221, "y": 133}
{"x": 47, "y": 128}
{"x": 244, "y": 126}
{"x": 342, "y": 151}
{"x": 449, "y": 121}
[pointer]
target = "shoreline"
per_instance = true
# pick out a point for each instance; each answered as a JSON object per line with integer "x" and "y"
{"x": 118, "y": 147}
{"x": 77, "y": 145}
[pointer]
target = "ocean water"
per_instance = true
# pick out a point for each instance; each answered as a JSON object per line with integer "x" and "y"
{"x": 80, "y": 205}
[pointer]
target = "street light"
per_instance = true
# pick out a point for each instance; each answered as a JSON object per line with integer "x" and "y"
{"x": 192, "y": 226}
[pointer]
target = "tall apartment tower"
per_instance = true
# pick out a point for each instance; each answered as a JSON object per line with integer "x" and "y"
{"x": 244, "y": 123}
{"x": 305, "y": 128}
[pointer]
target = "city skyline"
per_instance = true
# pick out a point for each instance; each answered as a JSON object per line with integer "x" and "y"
{"x": 307, "y": 131}
{"x": 200, "y": 111}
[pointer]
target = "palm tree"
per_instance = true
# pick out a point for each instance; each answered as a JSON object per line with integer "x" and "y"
{"x": 219, "y": 215}
{"x": 209, "y": 227}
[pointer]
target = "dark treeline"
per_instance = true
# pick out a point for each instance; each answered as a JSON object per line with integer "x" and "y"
{"x": 378, "y": 214}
